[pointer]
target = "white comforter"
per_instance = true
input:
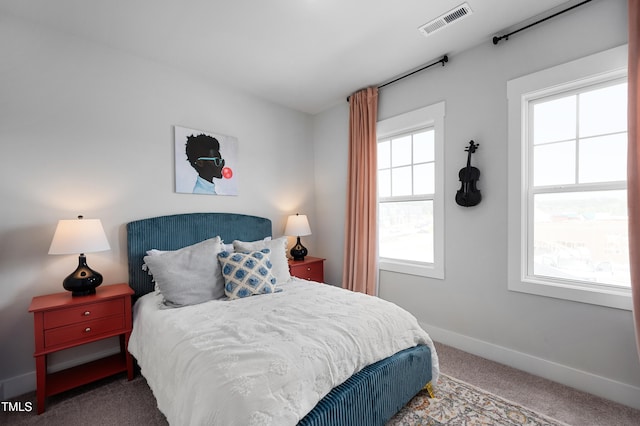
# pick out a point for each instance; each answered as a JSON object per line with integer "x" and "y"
{"x": 264, "y": 360}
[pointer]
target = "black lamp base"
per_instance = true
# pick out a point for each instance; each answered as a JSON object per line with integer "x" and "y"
{"x": 298, "y": 252}
{"x": 84, "y": 280}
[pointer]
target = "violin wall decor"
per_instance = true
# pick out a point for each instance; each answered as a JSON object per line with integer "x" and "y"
{"x": 469, "y": 195}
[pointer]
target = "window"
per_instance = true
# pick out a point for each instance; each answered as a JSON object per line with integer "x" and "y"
{"x": 570, "y": 226}
{"x": 406, "y": 186}
{"x": 577, "y": 205}
{"x": 410, "y": 179}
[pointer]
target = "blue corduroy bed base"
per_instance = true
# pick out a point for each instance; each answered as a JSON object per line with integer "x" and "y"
{"x": 376, "y": 393}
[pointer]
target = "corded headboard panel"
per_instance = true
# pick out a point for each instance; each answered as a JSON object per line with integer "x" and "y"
{"x": 180, "y": 230}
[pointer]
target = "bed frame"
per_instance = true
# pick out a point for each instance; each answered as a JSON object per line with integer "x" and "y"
{"x": 370, "y": 397}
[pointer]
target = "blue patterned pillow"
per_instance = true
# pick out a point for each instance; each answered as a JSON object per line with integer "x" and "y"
{"x": 246, "y": 274}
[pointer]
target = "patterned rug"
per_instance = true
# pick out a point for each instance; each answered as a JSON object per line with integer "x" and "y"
{"x": 459, "y": 403}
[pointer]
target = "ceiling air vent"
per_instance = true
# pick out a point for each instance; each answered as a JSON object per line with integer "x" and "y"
{"x": 443, "y": 20}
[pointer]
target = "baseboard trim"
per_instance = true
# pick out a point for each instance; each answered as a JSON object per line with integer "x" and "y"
{"x": 603, "y": 387}
{"x": 25, "y": 383}
{"x": 18, "y": 385}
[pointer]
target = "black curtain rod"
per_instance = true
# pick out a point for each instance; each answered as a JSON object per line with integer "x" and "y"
{"x": 497, "y": 39}
{"x": 442, "y": 61}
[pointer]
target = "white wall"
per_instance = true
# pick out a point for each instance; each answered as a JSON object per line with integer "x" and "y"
{"x": 330, "y": 155}
{"x": 89, "y": 130}
{"x": 585, "y": 346}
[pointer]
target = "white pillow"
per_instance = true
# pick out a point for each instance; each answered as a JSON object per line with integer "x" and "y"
{"x": 190, "y": 275}
{"x": 278, "y": 255}
{"x": 155, "y": 252}
{"x": 247, "y": 274}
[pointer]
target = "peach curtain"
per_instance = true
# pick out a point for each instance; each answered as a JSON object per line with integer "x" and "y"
{"x": 633, "y": 178}
{"x": 360, "y": 245}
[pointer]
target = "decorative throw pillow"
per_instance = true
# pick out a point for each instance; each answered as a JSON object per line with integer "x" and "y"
{"x": 153, "y": 252}
{"x": 190, "y": 275}
{"x": 246, "y": 274}
{"x": 278, "y": 255}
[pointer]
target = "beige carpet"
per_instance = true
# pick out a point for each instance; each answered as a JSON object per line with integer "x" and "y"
{"x": 560, "y": 402}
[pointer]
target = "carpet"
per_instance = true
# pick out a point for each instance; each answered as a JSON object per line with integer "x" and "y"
{"x": 116, "y": 401}
{"x": 459, "y": 403}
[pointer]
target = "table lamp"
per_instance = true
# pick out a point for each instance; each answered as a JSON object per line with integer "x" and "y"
{"x": 297, "y": 226}
{"x": 80, "y": 236}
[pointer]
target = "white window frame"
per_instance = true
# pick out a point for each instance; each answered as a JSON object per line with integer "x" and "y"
{"x": 429, "y": 116}
{"x": 604, "y": 66}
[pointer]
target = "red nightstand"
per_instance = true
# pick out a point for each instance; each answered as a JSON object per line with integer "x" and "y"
{"x": 311, "y": 268}
{"x": 62, "y": 321}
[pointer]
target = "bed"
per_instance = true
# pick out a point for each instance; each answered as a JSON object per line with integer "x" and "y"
{"x": 297, "y": 352}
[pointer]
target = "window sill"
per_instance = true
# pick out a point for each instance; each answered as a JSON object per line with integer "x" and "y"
{"x": 618, "y": 298}
{"x": 423, "y": 270}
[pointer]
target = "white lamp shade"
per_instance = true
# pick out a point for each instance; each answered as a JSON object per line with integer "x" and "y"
{"x": 79, "y": 236}
{"x": 297, "y": 226}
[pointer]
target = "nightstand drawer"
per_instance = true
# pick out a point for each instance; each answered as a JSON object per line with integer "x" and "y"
{"x": 309, "y": 272}
{"x": 312, "y": 269}
{"x": 82, "y": 331}
{"x": 68, "y": 316}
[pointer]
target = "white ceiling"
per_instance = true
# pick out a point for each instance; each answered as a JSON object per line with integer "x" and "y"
{"x": 304, "y": 54}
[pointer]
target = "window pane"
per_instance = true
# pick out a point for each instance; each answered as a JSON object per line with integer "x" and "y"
{"x": 424, "y": 179}
{"x": 384, "y": 183}
{"x": 603, "y": 111}
{"x": 554, "y": 164}
{"x": 406, "y": 231}
{"x": 603, "y": 159}
{"x": 384, "y": 155}
{"x": 555, "y": 120}
{"x": 582, "y": 236}
{"x": 423, "y": 147}
{"x": 401, "y": 151}
{"x": 401, "y": 181}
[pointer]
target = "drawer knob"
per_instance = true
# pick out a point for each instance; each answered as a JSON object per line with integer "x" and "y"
{"x": 308, "y": 269}
{"x": 88, "y": 329}
{"x": 87, "y": 313}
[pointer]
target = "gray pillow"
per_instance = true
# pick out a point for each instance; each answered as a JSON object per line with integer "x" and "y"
{"x": 190, "y": 275}
{"x": 278, "y": 255}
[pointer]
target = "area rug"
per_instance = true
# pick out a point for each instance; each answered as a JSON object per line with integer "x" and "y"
{"x": 459, "y": 403}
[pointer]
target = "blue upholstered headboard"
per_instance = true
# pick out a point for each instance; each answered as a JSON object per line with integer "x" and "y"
{"x": 181, "y": 230}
